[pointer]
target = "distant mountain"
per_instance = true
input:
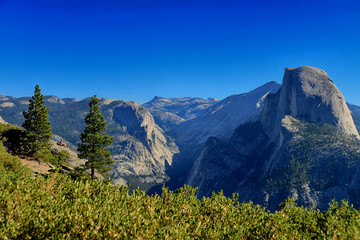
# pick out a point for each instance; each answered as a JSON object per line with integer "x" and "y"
{"x": 305, "y": 146}
{"x": 169, "y": 112}
{"x": 355, "y": 113}
{"x": 222, "y": 118}
{"x": 219, "y": 120}
{"x": 186, "y": 108}
{"x": 141, "y": 150}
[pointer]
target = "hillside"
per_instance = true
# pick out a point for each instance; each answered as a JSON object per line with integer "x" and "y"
{"x": 141, "y": 150}
{"x": 58, "y": 207}
{"x": 51, "y": 204}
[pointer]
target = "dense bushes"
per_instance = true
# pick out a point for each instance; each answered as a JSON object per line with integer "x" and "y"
{"x": 8, "y": 162}
{"x": 58, "y": 207}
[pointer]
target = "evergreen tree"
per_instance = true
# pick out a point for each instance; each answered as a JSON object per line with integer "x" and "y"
{"x": 37, "y": 125}
{"x": 94, "y": 141}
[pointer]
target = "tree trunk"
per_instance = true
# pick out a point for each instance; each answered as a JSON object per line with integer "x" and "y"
{"x": 92, "y": 173}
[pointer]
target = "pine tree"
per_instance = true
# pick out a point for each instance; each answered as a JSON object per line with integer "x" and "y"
{"x": 94, "y": 141}
{"x": 37, "y": 124}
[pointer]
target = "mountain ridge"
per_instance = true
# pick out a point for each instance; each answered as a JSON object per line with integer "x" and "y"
{"x": 286, "y": 152}
{"x": 266, "y": 144}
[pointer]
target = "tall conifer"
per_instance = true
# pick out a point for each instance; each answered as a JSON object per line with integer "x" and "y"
{"x": 37, "y": 124}
{"x": 94, "y": 141}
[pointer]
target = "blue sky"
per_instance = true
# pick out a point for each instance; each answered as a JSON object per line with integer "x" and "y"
{"x": 135, "y": 50}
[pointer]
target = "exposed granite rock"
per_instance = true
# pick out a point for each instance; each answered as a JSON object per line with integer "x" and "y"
{"x": 305, "y": 146}
{"x": 221, "y": 119}
{"x": 307, "y": 93}
{"x": 141, "y": 148}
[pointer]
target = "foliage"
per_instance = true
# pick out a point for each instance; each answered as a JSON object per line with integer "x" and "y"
{"x": 4, "y": 127}
{"x": 59, "y": 158}
{"x": 94, "y": 141}
{"x": 8, "y": 162}
{"x": 58, "y": 207}
{"x": 37, "y": 125}
{"x": 79, "y": 174}
{"x": 13, "y": 138}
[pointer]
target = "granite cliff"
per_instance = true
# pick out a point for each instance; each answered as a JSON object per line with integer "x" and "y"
{"x": 304, "y": 145}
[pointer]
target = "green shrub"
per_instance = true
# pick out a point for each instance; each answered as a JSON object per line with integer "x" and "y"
{"x": 59, "y": 158}
{"x": 8, "y": 162}
{"x": 58, "y": 207}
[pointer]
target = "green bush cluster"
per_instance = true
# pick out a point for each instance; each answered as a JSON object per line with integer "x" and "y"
{"x": 58, "y": 207}
{"x": 8, "y": 162}
{"x": 60, "y": 158}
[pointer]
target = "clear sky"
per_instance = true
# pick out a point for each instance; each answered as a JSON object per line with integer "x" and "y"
{"x": 135, "y": 50}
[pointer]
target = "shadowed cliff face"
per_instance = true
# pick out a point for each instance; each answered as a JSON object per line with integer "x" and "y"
{"x": 305, "y": 146}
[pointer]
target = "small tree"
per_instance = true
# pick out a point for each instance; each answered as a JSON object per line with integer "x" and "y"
{"x": 37, "y": 125}
{"x": 94, "y": 141}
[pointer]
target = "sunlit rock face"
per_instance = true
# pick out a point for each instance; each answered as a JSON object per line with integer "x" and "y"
{"x": 141, "y": 148}
{"x": 307, "y": 93}
{"x": 221, "y": 119}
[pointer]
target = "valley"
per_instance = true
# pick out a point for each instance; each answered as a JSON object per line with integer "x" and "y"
{"x": 298, "y": 139}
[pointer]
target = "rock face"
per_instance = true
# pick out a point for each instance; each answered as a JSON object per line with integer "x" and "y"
{"x": 221, "y": 119}
{"x": 304, "y": 145}
{"x": 141, "y": 148}
{"x": 308, "y": 93}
